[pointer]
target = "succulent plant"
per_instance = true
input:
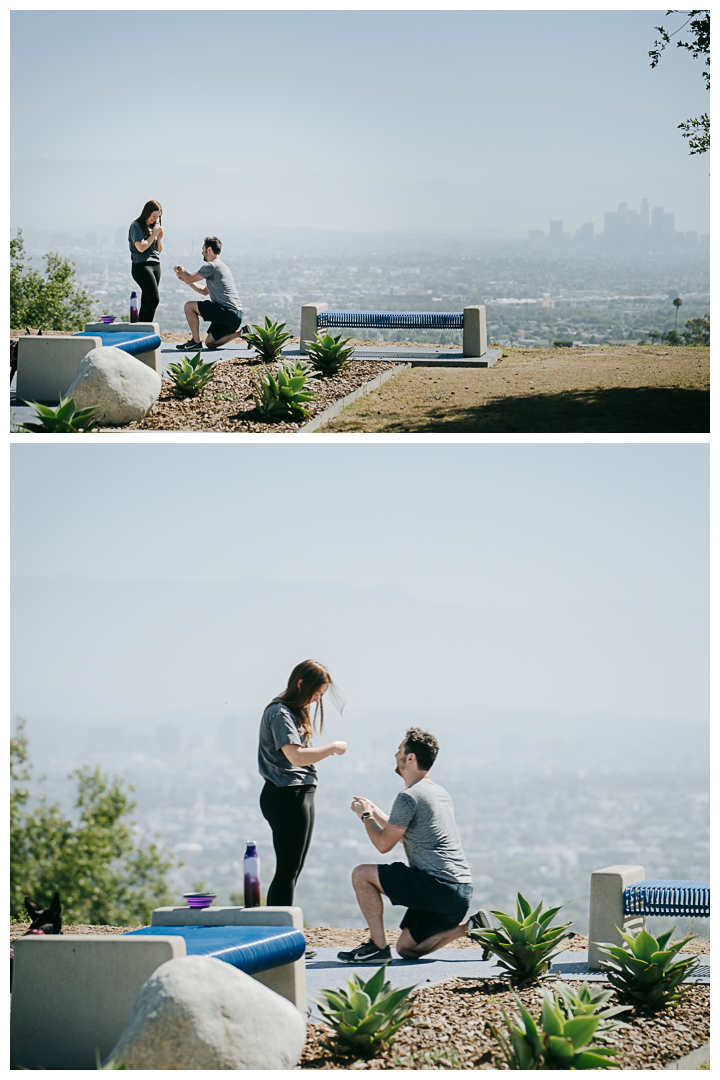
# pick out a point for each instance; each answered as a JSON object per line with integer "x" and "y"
{"x": 525, "y": 944}
{"x": 283, "y": 396}
{"x": 268, "y": 339}
{"x": 189, "y": 376}
{"x": 560, "y": 1043}
{"x": 66, "y": 418}
{"x": 329, "y": 354}
{"x": 367, "y": 1014}
{"x": 647, "y": 974}
{"x": 586, "y": 1001}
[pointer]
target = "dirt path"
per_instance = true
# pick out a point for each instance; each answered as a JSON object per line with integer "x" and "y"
{"x": 635, "y": 388}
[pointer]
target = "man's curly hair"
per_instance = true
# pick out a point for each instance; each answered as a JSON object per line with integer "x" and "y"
{"x": 423, "y": 745}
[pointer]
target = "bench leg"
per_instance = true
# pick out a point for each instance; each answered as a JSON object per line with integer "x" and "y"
{"x": 288, "y": 981}
{"x": 606, "y": 908}
{"x": 308, "y": 323}
{"x": 474, "y": 331}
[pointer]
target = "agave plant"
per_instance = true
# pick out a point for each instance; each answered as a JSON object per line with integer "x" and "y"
{"x": 66, "y": 418}
{"x": 525, "y": 944}
{"x": 561, "y": 1043}
{"x": 268, "y": 339}
{"x": 647, "y": 974}
{"x": 586, "y": 1001}
{"x": 190, "y": 376}
{"x": 367, "y": 1014}
{"x": 282, "y": 397}
{"x": 329, "y": 354}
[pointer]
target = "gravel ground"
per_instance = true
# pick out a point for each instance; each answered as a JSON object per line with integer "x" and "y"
{"x": 641, "y": 388}
{"x": 450, "y": 1024}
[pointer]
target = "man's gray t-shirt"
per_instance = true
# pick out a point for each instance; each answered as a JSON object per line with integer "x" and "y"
{"x": 279, "y": 727}
{"x": 221, "y": 284}
{"x": 431, "y": 838}
{"x": 151, "y": 254}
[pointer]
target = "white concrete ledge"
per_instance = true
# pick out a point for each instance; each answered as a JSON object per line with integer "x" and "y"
{"x": 72, "y": 993}
{"x": 337, "y": 407}
{"x": 696, "y": 1059}
{"x": 288, "y": 980}
{"x": 607, "y": 917}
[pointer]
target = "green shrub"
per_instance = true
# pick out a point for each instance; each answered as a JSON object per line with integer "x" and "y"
{"x": 52, "y": 302}
{"x": 282, "y": 397}
{"x": 563, "y": 343}
{"x": 190, "y": 376}
{"x": 66, "y": 418}
{"x": 368, "y": 1014}
{"x": 697, "y": 331}
{"x": 268, "y": 339}
{"x": 525, "y": 944}
{"x": 561, "y": 1043}
{"x": 586, "y": 1001}
{"x": 329, "y": 354}
{"x": 648, "y": 973}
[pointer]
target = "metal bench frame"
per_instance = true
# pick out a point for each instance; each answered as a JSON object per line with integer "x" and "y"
{"x": 471, "y": 320}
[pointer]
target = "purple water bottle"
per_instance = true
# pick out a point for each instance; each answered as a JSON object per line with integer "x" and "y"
{"x": 251, "y": 867}
{"x": 133, "y": 306}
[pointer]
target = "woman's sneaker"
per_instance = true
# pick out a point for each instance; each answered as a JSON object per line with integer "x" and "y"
{"x": 369, "y": 953}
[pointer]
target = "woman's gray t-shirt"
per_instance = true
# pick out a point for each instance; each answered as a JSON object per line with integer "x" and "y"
{"x": 431, "y": 839}
{"x": 279, "y": 727}
{"x": 151, "y": 254}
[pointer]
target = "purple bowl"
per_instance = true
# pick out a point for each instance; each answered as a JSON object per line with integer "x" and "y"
{"x": 107, "y": 318}
{"x": 199, "y": 900}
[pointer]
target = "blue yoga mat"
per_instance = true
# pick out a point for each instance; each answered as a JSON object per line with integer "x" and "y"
{"x": 250, "y": 948}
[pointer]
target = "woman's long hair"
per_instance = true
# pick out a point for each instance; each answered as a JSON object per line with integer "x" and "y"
{"x": 145, "y": 213}
{"x": 297, "y": 698}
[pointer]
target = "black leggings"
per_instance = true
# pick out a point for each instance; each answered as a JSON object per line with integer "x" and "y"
{"x": 290, "y": 812}
{"x": 147, "y": 276}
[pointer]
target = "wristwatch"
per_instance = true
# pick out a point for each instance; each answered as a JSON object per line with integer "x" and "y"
{"x": 365, "y": 816}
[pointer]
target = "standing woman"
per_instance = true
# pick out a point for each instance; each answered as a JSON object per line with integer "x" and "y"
{"x": 145, "y": 240}
{"x": 287, "y": 763}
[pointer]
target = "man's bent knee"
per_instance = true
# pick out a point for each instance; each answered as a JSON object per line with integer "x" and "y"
{"x": 366, "y": 873}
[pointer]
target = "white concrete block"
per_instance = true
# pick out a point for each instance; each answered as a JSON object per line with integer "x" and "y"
{"x": 308, "y": 323}
{"x": 73, "y": 992}
{"x": 288, "y": 980}
{"x": 606, "y": 908}
{"x": 48, "y": 365}
{"x": 474, "y": 331}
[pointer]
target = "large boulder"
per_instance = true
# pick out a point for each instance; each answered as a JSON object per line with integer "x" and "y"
{"x": 197, "y": 1012}
{"x": 122, "y": 387}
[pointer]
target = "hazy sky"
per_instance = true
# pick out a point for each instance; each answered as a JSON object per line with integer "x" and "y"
{"x": 351, "y": 119}
{"x": 544, "y": 576}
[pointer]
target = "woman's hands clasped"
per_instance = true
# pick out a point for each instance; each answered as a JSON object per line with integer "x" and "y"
{"x": 339, "y": 747}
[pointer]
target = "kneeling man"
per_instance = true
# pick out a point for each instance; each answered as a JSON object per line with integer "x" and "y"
{"x": 436, "y": 887}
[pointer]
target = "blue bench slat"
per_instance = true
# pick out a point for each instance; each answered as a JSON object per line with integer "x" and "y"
{"x": 400, "y": 320}
{"x": 249, "y": 948}
{"x": 666, "y": 897}
{"x": 128, "y": 342}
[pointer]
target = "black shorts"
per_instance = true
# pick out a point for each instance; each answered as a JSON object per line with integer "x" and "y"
{"x": 433, "y": 905}
{"x": 223, "y": 320}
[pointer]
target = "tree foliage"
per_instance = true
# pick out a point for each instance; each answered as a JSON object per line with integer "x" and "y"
{"x": 52, "y": 302}
{"x": 697, "y": 130}
{"x": 104, "y": 874}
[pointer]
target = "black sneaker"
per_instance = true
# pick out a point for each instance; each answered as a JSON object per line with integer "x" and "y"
{"x": 190, "y": 346}
{"x": 481, "y": 921}
{"x": 245, "y": 330}
{"x": 368, "y": 953}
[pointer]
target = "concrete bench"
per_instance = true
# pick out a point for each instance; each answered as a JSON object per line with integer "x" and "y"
{"x": 46, "y": 366}
{"x": 74, "y": 992}
{"x": 471, "y": 321}
{"x": 621, "y": 897}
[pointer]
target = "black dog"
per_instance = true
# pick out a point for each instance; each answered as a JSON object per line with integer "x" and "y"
{"x": 41, "y": 922}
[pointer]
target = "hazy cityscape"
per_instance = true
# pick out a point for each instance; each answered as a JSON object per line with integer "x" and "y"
{"x": 612, "y": 286}
{"x": 540, "y": 822}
